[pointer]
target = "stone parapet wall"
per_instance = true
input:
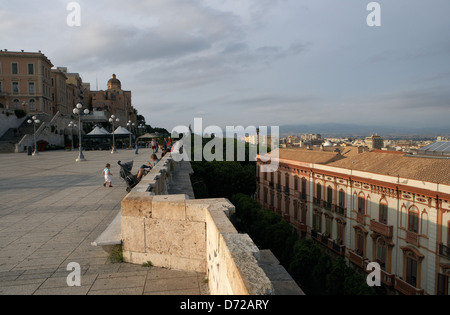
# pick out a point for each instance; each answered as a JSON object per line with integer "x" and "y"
{"x": 171, "y": 231}
{"x": 176, "y": 232}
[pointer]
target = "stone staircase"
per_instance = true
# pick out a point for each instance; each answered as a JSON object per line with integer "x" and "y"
{"x": 14, "y": 135}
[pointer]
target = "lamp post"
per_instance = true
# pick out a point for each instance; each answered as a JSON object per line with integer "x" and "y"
{"x": 71, "y": 126}
{"x": 141, "y": 127}
{"x": 112, "y": 120}
{"x": 130, "y": 125}
{"x": 78, "y": 111}
{"x": 35, "y": 122}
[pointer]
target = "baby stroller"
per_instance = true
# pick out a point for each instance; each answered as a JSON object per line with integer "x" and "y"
{"x": 125, "y": 173}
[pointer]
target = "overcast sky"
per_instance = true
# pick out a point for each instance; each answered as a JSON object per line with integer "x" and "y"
{"x": 252, "y": 62}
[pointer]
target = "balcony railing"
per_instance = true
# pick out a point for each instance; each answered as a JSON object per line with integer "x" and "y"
{"x": 406, "y": 288}
{"x": 317, "y": 201}
{"x": 341, "y": 211}
{"x": 444, "y": 251}
{"x": 385, "y": 277}
{"x": 356, "y": 259}
{"x": 327, "y": 205}
{"x": 381, "y": 228}
{"x": 360, "y": 218}
{"x": 412, "y": 238}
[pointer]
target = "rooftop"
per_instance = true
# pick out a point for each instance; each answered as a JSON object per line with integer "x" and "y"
{"x": 403, "y": 165}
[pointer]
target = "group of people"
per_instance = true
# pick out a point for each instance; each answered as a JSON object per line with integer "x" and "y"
{"x": 145, "y": 168}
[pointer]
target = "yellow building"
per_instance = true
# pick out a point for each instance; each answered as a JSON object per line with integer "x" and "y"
{"x": 373, "y": 207}
{"x": 25, "y": 82}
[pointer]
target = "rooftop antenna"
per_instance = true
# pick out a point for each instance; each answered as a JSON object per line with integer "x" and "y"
{"x": 96, "y": 82}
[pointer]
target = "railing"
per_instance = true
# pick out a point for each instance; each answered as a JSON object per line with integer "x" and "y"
{"x": 360, "y": 218}
{"x": 327, "y": 205}
{"x": 317, "y": 201}
{"x": 406, "y": 288}
{"x": 412, "y": 238}
{"x": 381, "y": 228}
{"x": 341, "y": 211}
{"x": 385, "y": 277}
{"x": 356, "y": 259}
{"x": 444, "y": 251}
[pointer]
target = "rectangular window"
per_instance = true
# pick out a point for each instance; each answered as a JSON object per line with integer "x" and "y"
{"x": 14, "y": 68}
{"x": 317, "y": 220}
{"x": 1, "y": 87}
{"x": 328, "y": 227}
{"x": 295, "y": 210}
{"x": 304, "y": 183}
{"x": 360, "y": 244}
{"x": 411, "y": 271}
{"x": 383, "y": 213}
{"x": 381, "y": 255}
{"x": 342, "y": 198}
{"x": 303, "y": 209}
{"x": 15, "y": 88}
{"x": 361, "y": 205}
{"x": 31, "y": 88}
{"x": 413, "y": 225}
{"x": 30, "y": 68}
{"x": 340, "y": 233}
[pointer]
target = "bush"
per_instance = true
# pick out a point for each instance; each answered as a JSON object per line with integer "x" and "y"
{"x": 313, "y": 270}
{"x": 20, "y": 113}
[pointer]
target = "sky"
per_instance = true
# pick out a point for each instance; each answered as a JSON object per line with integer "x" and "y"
{"x": 251, "y": 62}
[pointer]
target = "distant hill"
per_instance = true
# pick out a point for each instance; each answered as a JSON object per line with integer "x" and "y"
{"x": 353, "y": 130}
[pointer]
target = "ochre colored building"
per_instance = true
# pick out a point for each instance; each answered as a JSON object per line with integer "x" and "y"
{"x": 114, "y": 101}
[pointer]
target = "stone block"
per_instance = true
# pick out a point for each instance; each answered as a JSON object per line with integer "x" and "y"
{"x": 133, "y": 234}
{"x": 137, "y": 204}
{"x": 176, "y": 238}
{"x": 169, "y": 207}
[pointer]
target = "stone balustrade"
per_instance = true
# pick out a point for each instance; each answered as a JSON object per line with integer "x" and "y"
{"x": 176, "y": 232}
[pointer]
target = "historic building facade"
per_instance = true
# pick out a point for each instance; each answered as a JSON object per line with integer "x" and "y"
{"x": 114, "y": 101}
{"x": 387, "y": 208}
{"x": 25, "y": 82}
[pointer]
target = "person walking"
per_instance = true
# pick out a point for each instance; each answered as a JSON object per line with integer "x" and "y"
{"x": 107, "y": 173}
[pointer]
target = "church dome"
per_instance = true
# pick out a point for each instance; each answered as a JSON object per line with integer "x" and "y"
{"x": 114, "y": 83}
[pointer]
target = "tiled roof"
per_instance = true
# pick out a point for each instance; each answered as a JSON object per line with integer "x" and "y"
{"x": 418, "y": 168}
{"x": 309, "y": 156}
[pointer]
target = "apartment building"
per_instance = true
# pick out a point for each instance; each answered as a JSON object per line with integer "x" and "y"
{"x": 378, "y": 206}
{"x": 25, "y": 82}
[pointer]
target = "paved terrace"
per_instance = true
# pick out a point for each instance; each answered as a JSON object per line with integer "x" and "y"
{"x": 51, "y": 209}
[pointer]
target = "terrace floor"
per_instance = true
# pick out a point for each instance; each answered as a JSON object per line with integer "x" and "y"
{"x": 52, "y": 209}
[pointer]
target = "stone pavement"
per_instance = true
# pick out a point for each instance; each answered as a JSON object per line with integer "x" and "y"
{"x": 52, "y": 209}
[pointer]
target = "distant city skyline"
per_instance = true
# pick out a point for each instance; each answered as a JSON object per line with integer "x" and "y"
{"x": 252, "y": 62}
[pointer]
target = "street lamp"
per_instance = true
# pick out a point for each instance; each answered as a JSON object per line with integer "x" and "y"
{"x": 141, "y": 127}
{"x": 35, "y": 122}
{"x": 112, "y": 120}
{"x": 71, "y": 126}
{"x": 77, "y": 111}
{"x": 130, "y": 124}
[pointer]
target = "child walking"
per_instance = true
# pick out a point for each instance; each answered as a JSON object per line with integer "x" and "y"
{"x": 107, "y": 173}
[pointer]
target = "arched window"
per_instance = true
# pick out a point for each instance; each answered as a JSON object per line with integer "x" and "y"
{"x": 381, "y": 251}
{"x": 412, "y": 265}
{"x": 361, "y": 204}
{"x": 413, "y": 220}
{"x": 319, "y": 191}
{"x": 304, "y": 183}
{"x": 16, "y": 104}
{"x": 383, "y": 211}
